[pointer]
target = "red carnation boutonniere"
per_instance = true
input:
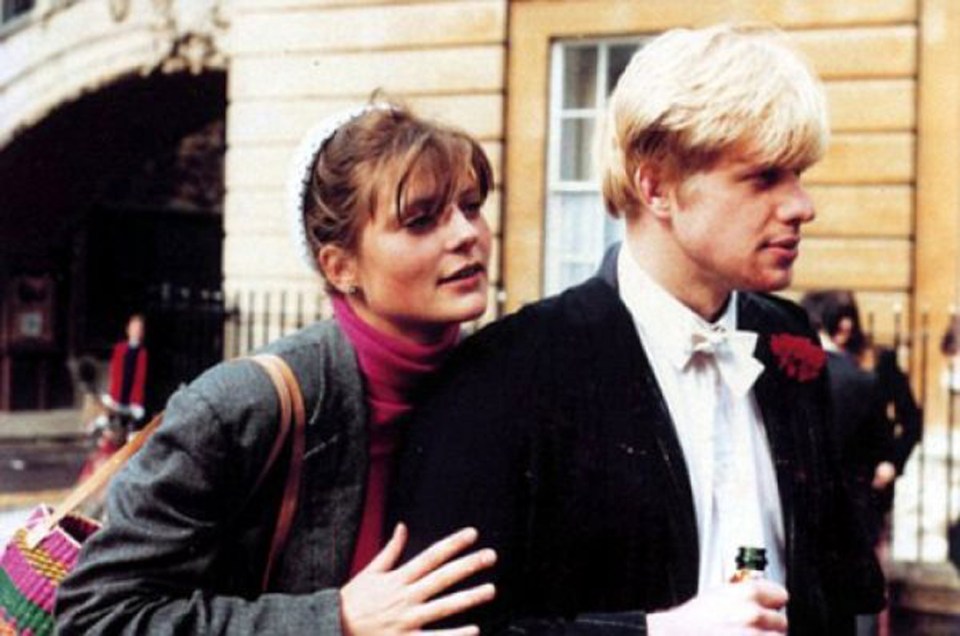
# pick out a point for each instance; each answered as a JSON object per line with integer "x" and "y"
{"x": 798, "y": 357}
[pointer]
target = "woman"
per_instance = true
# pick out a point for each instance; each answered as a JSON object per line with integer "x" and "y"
{"x": 388, "y": 209}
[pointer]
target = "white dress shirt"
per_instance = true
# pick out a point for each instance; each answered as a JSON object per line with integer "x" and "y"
{"x": 710, "y": 398}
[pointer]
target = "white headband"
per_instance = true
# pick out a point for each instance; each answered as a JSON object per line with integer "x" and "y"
{"x": 301, "y": 173}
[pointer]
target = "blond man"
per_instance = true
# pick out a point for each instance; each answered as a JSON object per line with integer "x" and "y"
{"x": 619, "y": 443}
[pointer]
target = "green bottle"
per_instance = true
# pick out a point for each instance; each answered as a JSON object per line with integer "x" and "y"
{"x": 751, "y": 562}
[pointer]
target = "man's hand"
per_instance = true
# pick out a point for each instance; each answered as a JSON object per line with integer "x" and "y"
{"x": 107, "y": 400}
{"x": 883, "y": 475}
{"x": 749, "y": 607}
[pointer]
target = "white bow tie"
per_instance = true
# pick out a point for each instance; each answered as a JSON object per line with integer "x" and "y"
{"x": 733, "y": 352}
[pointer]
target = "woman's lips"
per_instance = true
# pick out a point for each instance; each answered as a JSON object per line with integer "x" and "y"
{"x": 464, "y": 274}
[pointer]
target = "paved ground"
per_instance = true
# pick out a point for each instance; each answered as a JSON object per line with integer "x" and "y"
{"x": 35, "y": 425}
{"x": 41, "y": 454}
{"x": 10, "y": 520}
{"x": 44, "y": 465}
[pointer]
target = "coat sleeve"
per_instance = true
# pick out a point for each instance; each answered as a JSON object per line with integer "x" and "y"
{"x": 149, "y": 570}
{"x": 470, "y": 460}
{"x": 851, "y": 574}
{"x": 907, "y": 415}
{"x": 140, "y": 379}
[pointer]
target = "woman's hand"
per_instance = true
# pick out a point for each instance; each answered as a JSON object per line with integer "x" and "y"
{"x": 382, "y": 600}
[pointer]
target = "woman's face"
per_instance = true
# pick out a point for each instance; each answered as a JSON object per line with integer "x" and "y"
{"x": 424, "y": 268}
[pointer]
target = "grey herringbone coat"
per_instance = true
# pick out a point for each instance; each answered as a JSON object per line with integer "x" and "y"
{"x": 185, "y": 544}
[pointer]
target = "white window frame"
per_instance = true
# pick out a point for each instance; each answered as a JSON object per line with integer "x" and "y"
{"x": 554, "y": 259}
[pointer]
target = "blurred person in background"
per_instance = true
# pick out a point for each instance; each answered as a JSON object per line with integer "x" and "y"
{"x": 876, "y": 421}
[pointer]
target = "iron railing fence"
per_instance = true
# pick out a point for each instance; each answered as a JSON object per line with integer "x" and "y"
{"x": 926, "y": 501}
{"x": 193, "y": 329}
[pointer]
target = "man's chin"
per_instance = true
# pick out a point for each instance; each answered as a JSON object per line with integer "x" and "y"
{"x": 772, "y": 284}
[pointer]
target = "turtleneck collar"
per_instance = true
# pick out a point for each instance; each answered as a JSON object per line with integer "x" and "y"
{"x": 392, "y": 367}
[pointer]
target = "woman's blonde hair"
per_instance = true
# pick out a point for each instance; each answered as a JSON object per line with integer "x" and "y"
{"x": 690, "y": 95}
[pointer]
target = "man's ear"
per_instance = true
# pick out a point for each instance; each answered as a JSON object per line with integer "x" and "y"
{"x": 652, "y": 188}
{"x": 339, "y": 266}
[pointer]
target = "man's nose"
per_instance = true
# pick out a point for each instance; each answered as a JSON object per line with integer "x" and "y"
{"x": 797, "y": 205}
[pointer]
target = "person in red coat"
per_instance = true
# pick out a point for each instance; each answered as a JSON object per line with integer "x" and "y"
{"x": 123, "y": 400}
{"x": 128, "y": 372}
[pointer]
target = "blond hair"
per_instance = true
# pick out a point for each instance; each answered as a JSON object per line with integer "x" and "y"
{"x": 690, "y": 95}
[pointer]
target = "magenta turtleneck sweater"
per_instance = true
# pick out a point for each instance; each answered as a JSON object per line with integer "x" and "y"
{"x": 392, "y": 369}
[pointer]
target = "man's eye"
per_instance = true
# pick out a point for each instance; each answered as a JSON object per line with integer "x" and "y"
{"x": 769, "y": 177}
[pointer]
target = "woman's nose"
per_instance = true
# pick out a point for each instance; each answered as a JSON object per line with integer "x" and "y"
{"x": 465, "y": 229}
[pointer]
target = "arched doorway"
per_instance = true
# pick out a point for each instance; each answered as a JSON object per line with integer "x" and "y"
{"x": 112, "y": 204}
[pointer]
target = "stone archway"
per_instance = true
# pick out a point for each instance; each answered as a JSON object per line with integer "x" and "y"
{"x": 111, "y": 127}
{"x": 60, "y": 51}
{"x": 110, "y": 197}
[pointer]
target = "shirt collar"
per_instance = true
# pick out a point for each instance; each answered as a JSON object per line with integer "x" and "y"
{"x": 660, "y": 316}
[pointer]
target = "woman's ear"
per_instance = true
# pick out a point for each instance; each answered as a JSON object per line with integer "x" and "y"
{"x": 339, "y": 266}
{"x": 651, "y": 187}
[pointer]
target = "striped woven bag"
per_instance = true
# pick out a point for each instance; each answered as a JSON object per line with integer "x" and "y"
{"x": 29, "y": 575}
{"x": 42, "y": 552}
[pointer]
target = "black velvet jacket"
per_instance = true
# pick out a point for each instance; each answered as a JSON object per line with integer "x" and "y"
{"x": 548, "y": 432}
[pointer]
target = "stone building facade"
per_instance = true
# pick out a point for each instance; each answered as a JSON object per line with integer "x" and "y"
{"x": 504, "y": 70}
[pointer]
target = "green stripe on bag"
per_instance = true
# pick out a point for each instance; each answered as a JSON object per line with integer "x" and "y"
{"x": 19, "y": 612}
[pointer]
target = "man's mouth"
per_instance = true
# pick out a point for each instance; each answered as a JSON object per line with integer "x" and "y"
{"x": 785, "y": 243}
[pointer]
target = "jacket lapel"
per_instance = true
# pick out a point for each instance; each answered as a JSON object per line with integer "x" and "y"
{"x": 647, "y": 401}
{"x": 775, "y": 407}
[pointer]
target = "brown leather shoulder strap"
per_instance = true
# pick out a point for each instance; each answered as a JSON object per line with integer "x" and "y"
{"x": 291, "y": 408}
{"x": 268, "y": 364}
{"x": 291, "y": 402}
{"x": 93, "y": 483}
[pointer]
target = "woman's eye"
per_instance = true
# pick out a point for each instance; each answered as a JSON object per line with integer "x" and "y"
{"x": 471, "y": 209}
{"x": 419, "y": 221}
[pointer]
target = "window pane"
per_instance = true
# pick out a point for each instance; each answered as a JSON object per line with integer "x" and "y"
{"x": 576, "y": 156}
{"x": 574, "y": 273}
{"x": 579, "y": 77}
{"x": 617, "y": 59}
{"x": 14, "y": 8}
{"x": 575, "y": 238}
{"x": 612, "y": 231}
{"x": 577, "y": 229}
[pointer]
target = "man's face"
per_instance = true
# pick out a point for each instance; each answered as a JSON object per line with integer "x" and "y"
{"x": 737, "y": 224}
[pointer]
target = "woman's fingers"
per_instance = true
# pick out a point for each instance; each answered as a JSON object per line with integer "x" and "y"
{"x": 451, "y": 604}
{"x": 469, "y": 630}
{"x": 388, "y": 556}
{"x": 437, "y": 554}
{"x": 451, "y": 573}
